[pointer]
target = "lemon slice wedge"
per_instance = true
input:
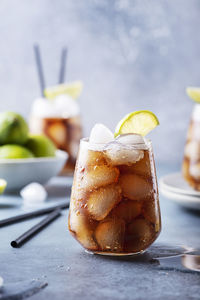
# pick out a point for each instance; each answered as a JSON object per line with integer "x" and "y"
{"x": 193, "y": 93}
{"x": 140, "y": 122}
{"x": 3, "y": 185}
{"x": 72, "y": 89}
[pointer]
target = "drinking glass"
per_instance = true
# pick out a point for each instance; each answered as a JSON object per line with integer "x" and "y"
{"x": 114, "y": 207}
{"x": 191, "y": 160}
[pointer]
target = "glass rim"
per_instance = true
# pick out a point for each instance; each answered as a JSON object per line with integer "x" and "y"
{"x": 140, "y": 146}
{"x": 32, "y": 116}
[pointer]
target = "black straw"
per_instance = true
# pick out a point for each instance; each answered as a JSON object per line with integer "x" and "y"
{"x": 35, "y": 229}
{"x": 39, "y": 68}
{"x": 63, "y": 65}
{"x": 29, "y": 215}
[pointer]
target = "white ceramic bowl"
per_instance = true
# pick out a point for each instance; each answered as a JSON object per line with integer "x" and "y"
{"x": 20, "y": 172}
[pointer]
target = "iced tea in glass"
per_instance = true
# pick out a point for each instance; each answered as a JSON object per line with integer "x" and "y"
{"x": 60, "y": 120}
{"x": 114, "y": 206}
{"x": 191, "y": 160}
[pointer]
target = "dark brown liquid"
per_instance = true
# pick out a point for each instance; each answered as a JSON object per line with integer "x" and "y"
{"x": 114, "y": 208}
{"x": 64, "y": 132}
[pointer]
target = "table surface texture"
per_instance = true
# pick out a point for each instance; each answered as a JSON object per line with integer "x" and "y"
{"x": 52, "y": 265}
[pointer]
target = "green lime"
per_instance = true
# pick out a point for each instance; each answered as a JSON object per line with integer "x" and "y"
{"x": 3, "y": 185}
{"x": 41, "y": 146}
{"x": 15, "y": 151}
{"x": 13, "y": 128}
{"x": 73, "y": 89}
{"x": 194, "y": 93}
{"x": 140, "y": 122}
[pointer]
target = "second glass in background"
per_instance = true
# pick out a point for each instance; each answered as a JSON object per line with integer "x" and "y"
{"x": 191, "y": 161}
{"x": 60, "y": 120}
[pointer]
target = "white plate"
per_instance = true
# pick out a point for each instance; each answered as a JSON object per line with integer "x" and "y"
{"x": 175, "y": 183}
{"x": 20, "y": 172}
{"x": 188, "y": 201}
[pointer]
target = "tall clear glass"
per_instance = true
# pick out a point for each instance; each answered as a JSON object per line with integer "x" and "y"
{"x": 114, "y": 206}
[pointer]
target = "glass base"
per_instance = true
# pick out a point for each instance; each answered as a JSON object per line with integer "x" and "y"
{"x": 114, "y": 253}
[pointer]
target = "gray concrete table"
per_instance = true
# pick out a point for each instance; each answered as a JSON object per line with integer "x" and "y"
{"x": 59, "y": 264}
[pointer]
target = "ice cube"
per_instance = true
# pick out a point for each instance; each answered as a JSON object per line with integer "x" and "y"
{"x": 100, "y": 134}
{"x": 102, "y": 201}
{"x": 62, "y": 106}
{"x": 141, "y": 167}
{"x": 58, "y": 133}
{"x": 66, "y": 106}
{"x": 131, "y": 139}
{"x": 99, "y": 176}
{"x": 151, "y": 210}
{"x": 194, "y": 170}
{"x": 140, "y": 229}
{"x": 43, "y": 108}
{"x": 33, "y": 193}
{"x": 96, "y": 158}
{"x": 83, "y": 229}
{"x": 121, "y": 155}
{"x": 135, "y": 187}
{"x": 91, "y": 158}
{"x": 139, "y": 236}
{"x": 127, "y": 210}
{"x": 110, "y": 234}
{"x": 192, "y": 150}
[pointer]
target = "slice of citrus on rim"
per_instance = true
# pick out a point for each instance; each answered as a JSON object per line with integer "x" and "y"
{"x": 72, "y": 89}
{"x": 140, "y": 122}
{"x": 193, "y": 93}
{"x": 3, "y": 184}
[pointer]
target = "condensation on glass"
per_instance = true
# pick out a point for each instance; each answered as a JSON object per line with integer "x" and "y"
{"x": 114, "y": 206}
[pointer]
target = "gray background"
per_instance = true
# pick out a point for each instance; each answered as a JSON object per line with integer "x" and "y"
{"x": 130, "y": 55}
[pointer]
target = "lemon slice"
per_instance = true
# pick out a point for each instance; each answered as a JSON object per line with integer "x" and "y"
{"x": 193, "y": 93}
{"x": 73, "y": 89}
{"x": 141, "y": 122}
{"x": 3, "y": 185}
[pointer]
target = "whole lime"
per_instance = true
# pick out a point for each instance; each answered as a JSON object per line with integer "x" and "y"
{"x": 13, "y": 128}
{"x": 41, "y": 146}
{"x": 15, "y": 151}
